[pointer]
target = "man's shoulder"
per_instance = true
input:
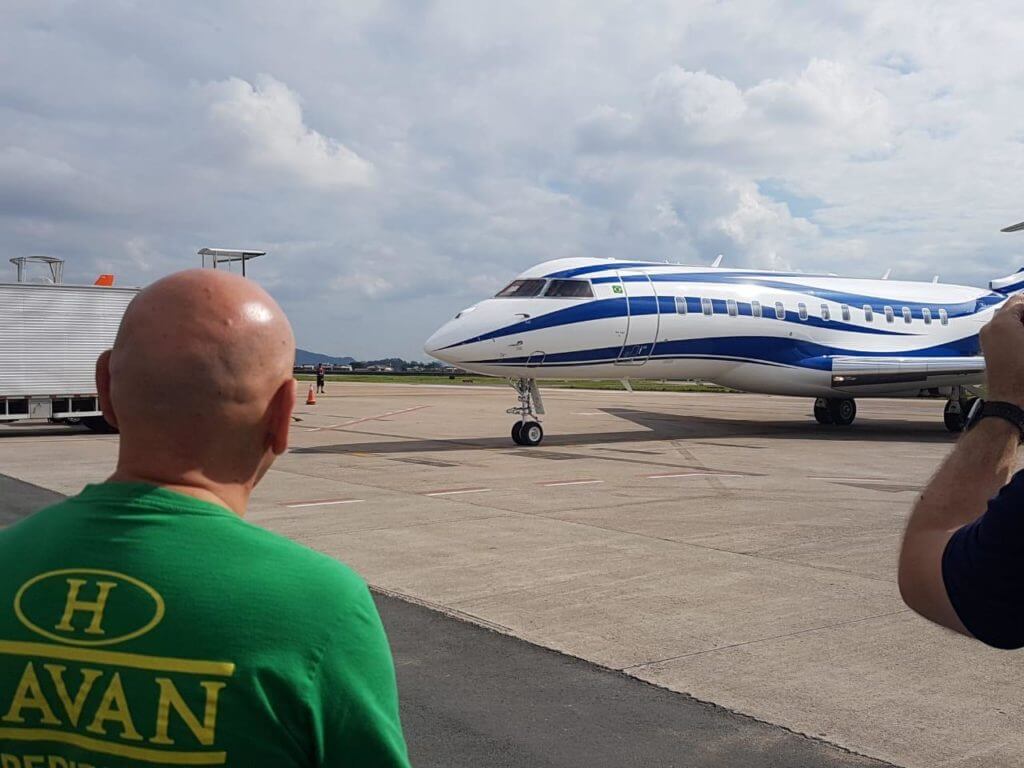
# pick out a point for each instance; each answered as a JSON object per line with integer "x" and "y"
{"x": 49, "y": 515}
{"x": 309, "y": 563}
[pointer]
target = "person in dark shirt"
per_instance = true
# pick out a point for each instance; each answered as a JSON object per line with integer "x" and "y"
{"x": 320, "y": 379}
{"x": 962, "y": 561}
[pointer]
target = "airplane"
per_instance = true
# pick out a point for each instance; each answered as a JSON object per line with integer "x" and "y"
{"x": 825, "y": 337}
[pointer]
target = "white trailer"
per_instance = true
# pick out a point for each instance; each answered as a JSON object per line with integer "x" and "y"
{"x": 50, "y": 337}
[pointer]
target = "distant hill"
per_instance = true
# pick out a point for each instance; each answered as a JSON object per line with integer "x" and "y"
{"x": 305, "y": 357}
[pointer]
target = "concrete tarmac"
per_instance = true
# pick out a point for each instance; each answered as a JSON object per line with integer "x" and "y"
{"x": 472, "y": 697}
{"x": 722, "y": 546}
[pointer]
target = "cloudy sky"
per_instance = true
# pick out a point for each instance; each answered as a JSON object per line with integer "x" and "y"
{"x": 400, "y": 160}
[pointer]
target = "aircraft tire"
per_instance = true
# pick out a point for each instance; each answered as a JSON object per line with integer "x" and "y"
{"x": 822, "y": 412}
{"x": 517, "y": 429}
{"x": 843, "y": 411}
{"x": 531, "y": 433}
{"x": 956, "y": 422}
{"x": 99, "y": 425}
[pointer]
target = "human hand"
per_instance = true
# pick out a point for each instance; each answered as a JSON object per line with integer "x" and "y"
{"x": 1002, "y": 343}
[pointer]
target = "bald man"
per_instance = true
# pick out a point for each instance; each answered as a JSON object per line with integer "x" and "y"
{"x": 143, "y": 622}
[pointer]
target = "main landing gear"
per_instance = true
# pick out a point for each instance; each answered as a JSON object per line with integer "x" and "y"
{"x": 958, "y": 408}
{"x": 840, "y": 412}
{"x": 527, "y": 431}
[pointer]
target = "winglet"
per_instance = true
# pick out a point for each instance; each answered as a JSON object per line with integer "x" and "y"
{"x": 717, "y": 262}
{"x": 887, "y": 273}
{"x": 107, "y": 280}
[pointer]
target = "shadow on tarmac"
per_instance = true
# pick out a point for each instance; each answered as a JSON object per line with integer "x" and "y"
{"x": 662, "y": 426}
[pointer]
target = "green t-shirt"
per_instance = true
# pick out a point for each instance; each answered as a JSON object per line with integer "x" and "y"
{"x": 141, "y": 627}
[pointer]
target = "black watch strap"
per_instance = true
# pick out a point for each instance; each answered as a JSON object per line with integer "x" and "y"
{"x": 1006, "y": 411}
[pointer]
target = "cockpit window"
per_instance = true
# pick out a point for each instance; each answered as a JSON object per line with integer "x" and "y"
{"x": 570, "y": 289}
{"x": 522, "y": 289}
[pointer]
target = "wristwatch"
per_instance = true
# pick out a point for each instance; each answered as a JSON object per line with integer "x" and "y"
{"x": 1007, "y": 411}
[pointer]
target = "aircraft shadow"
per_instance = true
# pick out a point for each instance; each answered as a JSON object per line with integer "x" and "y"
{"x": 661, "y": 427}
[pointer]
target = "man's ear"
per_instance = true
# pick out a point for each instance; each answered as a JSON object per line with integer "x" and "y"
{"x": 281, "y": 417}
{"x": 103, "y": 388}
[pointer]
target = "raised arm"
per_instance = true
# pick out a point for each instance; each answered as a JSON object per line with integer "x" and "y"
{"x": 957, "y": 541}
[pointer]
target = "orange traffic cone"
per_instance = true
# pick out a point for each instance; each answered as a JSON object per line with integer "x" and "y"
{"x": 311, "y": 397}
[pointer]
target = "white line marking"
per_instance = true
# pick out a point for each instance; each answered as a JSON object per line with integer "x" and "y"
{"x": 369, "y": 418}
{"x": 690, "y": 474}
{"x": 571, "y": 482}
{"x": 455, "y": 492}
{"x": 322, "y": 503}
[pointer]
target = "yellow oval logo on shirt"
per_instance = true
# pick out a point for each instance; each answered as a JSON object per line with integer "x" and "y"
{"x": 87, "y": 606}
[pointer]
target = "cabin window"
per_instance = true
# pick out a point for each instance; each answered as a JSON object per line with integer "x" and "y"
{"x": 755, "y": 308}
{"x": 869, "y": 314}
{"x": 570, "y": 289}
{"x": 780, "y": 310}
{"x": 890, "y": 316}
{"x": 680, "y": 305}
{"x": 944, "y": 317}
{"x": 927, "y": 315}
{"x": 846, "y": 313}
{"x": 731, "y": 307}
{"x": 907, "y": 316}
{"x": 801, "y": 308}
{"x": 826, "y": 313}
{"x": 522, "y": 289}
{"x": 707, "y": 307}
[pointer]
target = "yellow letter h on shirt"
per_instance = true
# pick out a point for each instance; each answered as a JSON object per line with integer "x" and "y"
{"x": 75, "y": 605}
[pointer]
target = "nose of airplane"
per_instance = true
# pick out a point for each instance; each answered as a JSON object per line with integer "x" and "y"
{"x": 443, "y": 337}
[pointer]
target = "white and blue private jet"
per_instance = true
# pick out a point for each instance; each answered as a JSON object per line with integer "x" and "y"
{"x": 783, "y": 333}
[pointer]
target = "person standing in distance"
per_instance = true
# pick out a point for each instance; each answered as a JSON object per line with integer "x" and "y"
{"x": 143, "y": 621}
{"x": 961, "y": 563}
{"x": 320, "y": 379}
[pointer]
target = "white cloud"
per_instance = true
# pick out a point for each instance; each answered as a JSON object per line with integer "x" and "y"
{"x": 405, "y": 160}
{"x": 265, "y": 119}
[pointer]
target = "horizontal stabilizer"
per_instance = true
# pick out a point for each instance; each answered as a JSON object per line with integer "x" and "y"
{"x": 1010, "y": 284}
{"x": 1013, "y": 227}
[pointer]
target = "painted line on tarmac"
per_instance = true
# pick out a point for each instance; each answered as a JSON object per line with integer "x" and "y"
{"x": 455, "y": 491}
{"x": 690, "y": 474}
{"x": 353, "y": 422}
{"x": 322, "y": 503}
{"x": 556, "y": 483}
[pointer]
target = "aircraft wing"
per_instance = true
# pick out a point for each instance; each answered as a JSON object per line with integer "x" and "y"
{"x": 853, "y": 372}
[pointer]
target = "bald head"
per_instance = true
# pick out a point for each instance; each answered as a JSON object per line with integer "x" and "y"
{"x": 198, "y": 376}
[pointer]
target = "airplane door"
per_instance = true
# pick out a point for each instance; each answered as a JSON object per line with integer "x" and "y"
{"x": 644, "y": 318}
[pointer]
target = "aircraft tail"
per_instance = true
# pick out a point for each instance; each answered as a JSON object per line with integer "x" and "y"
{"x": 106, "y": 280}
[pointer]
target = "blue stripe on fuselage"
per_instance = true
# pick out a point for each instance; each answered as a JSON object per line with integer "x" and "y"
{"x": 649, "y": 305}
{"x": 766, "y": 349}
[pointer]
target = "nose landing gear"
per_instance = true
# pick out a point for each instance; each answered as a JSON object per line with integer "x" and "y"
{"x": 527, "y": 431}
{"x": 958, "y": 408}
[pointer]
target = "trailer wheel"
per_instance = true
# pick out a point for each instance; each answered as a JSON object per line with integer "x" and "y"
{"x": 99, "y": 425}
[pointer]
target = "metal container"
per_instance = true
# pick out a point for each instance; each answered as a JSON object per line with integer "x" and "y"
{"x": 50, "y": 337}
